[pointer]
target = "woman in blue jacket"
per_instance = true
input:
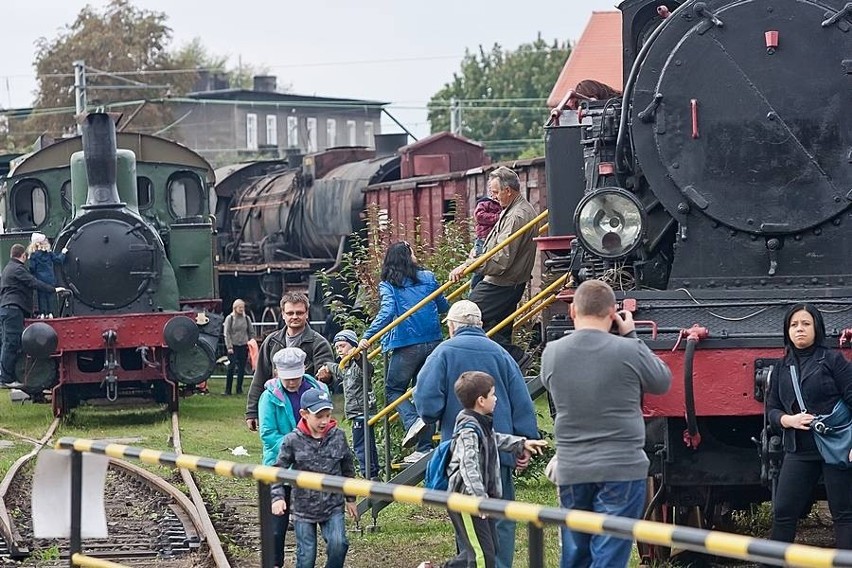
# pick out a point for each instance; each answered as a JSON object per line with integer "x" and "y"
{"x": 404, "y": 284}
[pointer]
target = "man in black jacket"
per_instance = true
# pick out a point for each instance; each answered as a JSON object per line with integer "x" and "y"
{"x": 16, "y": 303}
{"x": 297, "y": 333}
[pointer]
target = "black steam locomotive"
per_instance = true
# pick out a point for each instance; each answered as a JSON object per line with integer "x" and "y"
{"x": 712, "y": 194}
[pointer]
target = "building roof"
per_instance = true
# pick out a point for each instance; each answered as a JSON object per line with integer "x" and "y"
{"x": 271, "y": 96}
{"x": 434, "y": 138}
{"x": 597, "y": 55}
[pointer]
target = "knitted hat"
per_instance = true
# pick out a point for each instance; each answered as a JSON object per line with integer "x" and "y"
{"x": 37, "y": 238}
{"x": 348, "y": 336}
{"x": 466, "y": 312}
{"x": 289, "y": 362}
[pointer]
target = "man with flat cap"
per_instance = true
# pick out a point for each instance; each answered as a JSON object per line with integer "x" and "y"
{"x": 469, "y": 349}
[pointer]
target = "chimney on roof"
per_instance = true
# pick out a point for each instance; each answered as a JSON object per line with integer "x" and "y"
{"x": 265, "y": 83}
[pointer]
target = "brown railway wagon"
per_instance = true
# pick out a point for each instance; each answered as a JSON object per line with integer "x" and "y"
{"x": 418, "y": 207}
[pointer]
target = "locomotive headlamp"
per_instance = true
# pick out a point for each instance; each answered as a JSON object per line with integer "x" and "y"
{"x": 610, "y": 222}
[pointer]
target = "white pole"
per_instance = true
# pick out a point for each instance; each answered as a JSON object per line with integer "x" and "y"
{"x": 79, "y": 90}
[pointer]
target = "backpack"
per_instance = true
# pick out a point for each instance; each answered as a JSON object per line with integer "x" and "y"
{"x": 436, "y": 470}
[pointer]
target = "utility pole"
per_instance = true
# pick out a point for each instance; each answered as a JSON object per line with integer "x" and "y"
{"x": 455, "y": 116}
{"x": 79, "y": 90}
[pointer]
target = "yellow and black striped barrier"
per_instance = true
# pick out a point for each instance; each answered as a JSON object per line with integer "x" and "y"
{"x": 710, "y": 542}
{"x": 91, "y": 562}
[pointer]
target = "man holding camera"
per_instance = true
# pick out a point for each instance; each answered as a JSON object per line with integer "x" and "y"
{"x": 596, "y": 380}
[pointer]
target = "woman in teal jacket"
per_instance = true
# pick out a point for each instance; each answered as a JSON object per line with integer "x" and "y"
{"x": 278, "y": 413}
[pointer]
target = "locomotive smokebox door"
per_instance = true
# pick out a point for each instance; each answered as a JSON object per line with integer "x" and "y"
{"x": 743, "y": 125}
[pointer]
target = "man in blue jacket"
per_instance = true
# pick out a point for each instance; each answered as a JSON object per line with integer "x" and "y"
{"x": 469, "y": 349}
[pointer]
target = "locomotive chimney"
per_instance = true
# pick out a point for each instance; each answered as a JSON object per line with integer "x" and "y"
{"x": 99, "y": 150}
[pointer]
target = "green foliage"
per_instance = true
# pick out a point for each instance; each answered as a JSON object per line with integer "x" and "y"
{"x": 502, "y": 96}
{"x": 351, "y": 293}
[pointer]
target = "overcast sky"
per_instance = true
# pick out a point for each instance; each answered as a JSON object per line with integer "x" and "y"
{"x": 390, "y": 50}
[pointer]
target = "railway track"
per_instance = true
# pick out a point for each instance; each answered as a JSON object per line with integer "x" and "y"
{"x": 150, "y": 521}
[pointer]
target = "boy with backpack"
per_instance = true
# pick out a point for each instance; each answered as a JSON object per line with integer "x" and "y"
{"x": 474, "y": 466}
{"x": 316, "y": 445}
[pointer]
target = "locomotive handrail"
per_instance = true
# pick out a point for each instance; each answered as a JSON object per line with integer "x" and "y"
{"x": 470, "y": 268}
{"x": 661, "y": 534}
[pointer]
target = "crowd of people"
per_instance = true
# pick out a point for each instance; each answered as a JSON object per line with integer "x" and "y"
{"x": 472, "y": 388}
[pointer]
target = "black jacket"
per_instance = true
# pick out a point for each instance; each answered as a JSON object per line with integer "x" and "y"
{"x": 315, "y": 346}
{"x": 17, "y": 285}
{"x": 825, "y": 377}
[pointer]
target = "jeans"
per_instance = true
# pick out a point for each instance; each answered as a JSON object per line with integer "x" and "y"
{"x": 796, "y": 482}
{"x": 45, "y": 302}
{"x": 238, "y": 364}
{"x": 402, "y": 372}
{"x": 620, "y": 498}
{"x": 12, "y": 325}
{"x": 334, "y": 535}
{"x": 281, "y": 522}
{"x": 358, "y": 442}
{"x": 506, "y": 528}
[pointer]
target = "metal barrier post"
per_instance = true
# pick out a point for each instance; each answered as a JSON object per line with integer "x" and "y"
{"x": 267, "y": 530}
{"x": 536, "y": 545}
{"x": 76, "y": 505}
{"x": 366, "y": 380}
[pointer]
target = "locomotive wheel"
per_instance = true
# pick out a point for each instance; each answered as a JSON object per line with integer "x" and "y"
{"x": 658, "y": 510}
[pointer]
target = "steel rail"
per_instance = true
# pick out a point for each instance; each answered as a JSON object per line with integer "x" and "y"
{"x": 7, "y": 525}
{"x": 701, "y": 540}
{"x": 214, "y": 543}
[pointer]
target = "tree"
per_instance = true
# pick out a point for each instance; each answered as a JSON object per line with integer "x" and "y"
{"x": 501, "y": 96}
{"x": 125, "y": 50}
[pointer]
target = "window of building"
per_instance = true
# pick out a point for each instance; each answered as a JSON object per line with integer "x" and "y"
{"x": 272, "y": 130}
{"x": 312, "y": 135}
{"x": 351, "y": 132}
{"x": 369, "y": 141}
{"x": 251, "y": 131}
{"x": 29, "y": 203}
{"x": 186, "y": 195}
{"x": 144, "y": 193}
{"x": 330, "y": 133}
{"x": 293, "y": 131}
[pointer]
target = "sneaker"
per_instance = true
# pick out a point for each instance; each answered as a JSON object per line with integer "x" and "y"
{"x": 414, "y": 457}
{"x": 50, "y": 316}
{"x": 11, "y": 385}
{"x": 413, "y": 433}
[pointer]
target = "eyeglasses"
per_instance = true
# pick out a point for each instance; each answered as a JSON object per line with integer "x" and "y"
{"x": 294, "y": 313}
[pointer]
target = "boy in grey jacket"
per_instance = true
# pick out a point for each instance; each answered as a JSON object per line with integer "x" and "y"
{"x": 351, "y": 377}
{"x": 316, "y": 445}
{"x": 474, "y": 467}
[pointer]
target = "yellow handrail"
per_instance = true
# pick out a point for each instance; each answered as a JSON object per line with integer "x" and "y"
{"x": 534, "y": 311}
{"x": 556, "y": 284}
{"x": 390, "y": 407}
{"x": 471, "y": 268}
{"x": 559, "y": 282}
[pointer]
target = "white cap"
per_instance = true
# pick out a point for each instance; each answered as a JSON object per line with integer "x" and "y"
{"x": 290, "y": 363}
{"x": 466, "y": 312}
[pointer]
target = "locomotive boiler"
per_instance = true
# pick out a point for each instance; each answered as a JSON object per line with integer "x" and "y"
{"x": 282, "y": 221}
{"x": 713, "y": 194}
{"x": 140, "y": 317}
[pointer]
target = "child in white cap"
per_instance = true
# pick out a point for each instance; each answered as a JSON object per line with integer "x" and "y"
{"x": 278, "y": 413}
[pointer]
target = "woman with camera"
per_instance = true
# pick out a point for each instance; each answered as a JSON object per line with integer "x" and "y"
{"x": 823, "y": 377}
